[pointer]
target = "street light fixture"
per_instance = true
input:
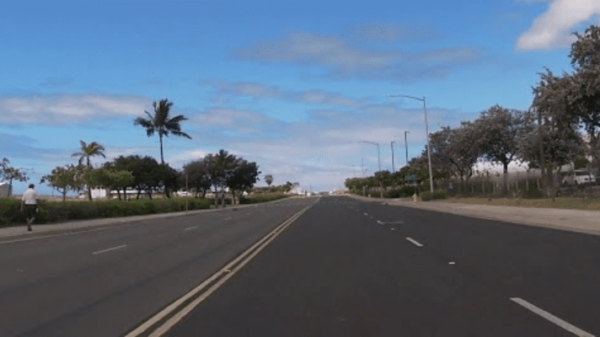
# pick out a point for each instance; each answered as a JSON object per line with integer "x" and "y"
{"x": 378, "y": 155}
{"x": 426, "y": 134}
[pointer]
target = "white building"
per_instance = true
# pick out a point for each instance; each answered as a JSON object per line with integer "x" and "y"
{"x": 4, "y": 190}
{"x": 296, "y": 190}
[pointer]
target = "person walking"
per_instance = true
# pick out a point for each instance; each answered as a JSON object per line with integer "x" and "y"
{"x": 29, "y": 202}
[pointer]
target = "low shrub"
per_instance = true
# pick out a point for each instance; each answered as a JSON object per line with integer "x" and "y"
{"x": 403, "y": 192}
{"x": 532, "y": 193}
{"x": 426, "y": 196}
{"x": 436, "y": 195}
{"x": 49, "y": 212}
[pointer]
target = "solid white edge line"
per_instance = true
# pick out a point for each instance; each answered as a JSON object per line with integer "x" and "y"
{"x": 160, "y": 315}
{"x": 109, "y": 249}
{"x": 181, "y": 314}
{"x": 414, "y": 242}
{"x": 571, "y": 328}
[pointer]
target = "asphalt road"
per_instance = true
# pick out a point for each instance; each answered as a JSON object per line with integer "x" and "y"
{"x": 353, "y": 268}
{"x": 343, "y": 267}
{"x": 106, "y": 281}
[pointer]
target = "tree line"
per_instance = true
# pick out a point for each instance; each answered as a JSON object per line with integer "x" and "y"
{"x": 144, "y": 174}
{"x": 546, "y": 136}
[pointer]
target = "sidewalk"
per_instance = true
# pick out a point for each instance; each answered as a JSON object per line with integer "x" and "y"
{"x": 20, "y": 231}
{"x": 580, "y": 221}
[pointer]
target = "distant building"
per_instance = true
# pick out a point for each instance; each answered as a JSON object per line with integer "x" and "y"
{"x": 296, "y": 190}
{"x": 4, "y": 190}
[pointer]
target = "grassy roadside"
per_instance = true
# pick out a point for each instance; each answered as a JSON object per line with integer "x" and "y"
{"x": 56, "y": 212}
{"x": 560, "y": 203}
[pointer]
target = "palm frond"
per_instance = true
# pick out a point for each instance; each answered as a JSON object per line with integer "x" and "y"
{"x": 176, "y": 119}
{"x": 181, "y": 134}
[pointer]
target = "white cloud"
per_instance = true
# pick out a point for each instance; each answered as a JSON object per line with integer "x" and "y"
{"x": 68, "y": 109}
{"x": 382, "y": 31}
{"x": 554, "y": 27}
{"x": 261, "y": 91}
{"x": 342, "y": 60}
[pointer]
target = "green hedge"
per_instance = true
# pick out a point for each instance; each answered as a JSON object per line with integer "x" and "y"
{"x": 404, "y": 192}
{"x": 436, "y": 195}
{"x": 262, "y": 198}
{"x": 49, "y": 212}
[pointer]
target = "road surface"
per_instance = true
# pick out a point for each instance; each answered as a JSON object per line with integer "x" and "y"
{"x": 337, "y": 267}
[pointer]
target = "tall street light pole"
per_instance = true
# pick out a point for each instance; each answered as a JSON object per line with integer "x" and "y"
{"x": 426, "y": 134}
{"x": 392, "y": 144}
{"x": 379, "y": 161}
{"x": 406, "y": 144}
{"x": 378, "y": 155}
{"x": 362, "y": 166}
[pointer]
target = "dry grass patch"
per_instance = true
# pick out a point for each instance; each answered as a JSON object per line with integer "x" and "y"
{"x": 563, "y": 202}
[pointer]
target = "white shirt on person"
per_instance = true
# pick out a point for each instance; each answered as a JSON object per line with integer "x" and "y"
{"x": 30, "y": 197}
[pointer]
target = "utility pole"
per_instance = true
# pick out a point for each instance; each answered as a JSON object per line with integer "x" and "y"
{"x": 378, "y": 154}
{"x": 379, "y": 161}
{"x": 406, "y": 144}
{"x": 541, "y": 134}
{"x": 362, "y": 166}
{"x": 187, "y": 192}
{"x": 393, "y": 169}
{"x": 426, "y": 134}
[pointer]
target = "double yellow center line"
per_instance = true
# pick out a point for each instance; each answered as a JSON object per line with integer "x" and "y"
{"x": 165, "y": 319}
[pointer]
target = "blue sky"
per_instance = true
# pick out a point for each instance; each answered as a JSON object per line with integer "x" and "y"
{"x": 292, "y": 85}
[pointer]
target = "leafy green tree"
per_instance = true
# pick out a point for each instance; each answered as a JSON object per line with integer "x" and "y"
{"x": 108, "y": 178}
{"x": 198, "y": 176}
{"x": 498, "y": 129}
{"x": 162, "y": 123}
{"x": 269, "y": 179}
{"x": 167, "y": 179}
{"x": 10, "y": 173}
{"x": 63, "y": 179}
{"x": 580, "y": 162}
{"x": 561, "y": 141}
{"x": 145, "y": 170}
{"x": 243, "y": 177}
{"x": 574, "y": 98}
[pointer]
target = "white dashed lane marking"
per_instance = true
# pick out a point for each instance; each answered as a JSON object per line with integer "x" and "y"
{"x": 414, "y": 242}
{"x": 109, "y": 249}
{"x": 565, "y": 325}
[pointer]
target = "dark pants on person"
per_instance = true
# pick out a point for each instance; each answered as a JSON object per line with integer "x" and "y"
{"x": 30, "y": 211}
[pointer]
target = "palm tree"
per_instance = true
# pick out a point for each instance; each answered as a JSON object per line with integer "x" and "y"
{"x": 161, "y": 123}
{"x": 87, "y": 151}
{"x": 269, "y": 179}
